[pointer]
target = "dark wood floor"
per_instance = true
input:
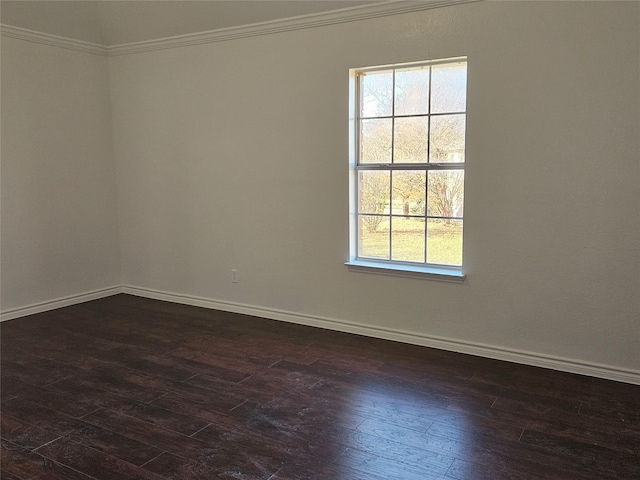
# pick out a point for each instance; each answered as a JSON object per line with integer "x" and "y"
{"x": 129, "y": 388}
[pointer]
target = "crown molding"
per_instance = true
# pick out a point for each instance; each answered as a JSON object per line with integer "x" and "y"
{"x": 52, "y": 40}
{"x": 344, "y": 15}
{"x": 350, "y": 14}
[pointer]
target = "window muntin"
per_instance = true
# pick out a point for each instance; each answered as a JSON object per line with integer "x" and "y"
{"x": 409, "y": 165}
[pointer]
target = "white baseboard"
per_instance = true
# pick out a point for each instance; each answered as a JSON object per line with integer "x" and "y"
{"x": 477, "y": 349}
{"x": 481, "y": 350}
{"x": 58, "y": 303}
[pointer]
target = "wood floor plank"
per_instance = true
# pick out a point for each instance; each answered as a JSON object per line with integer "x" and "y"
{"x": 5, "y": 475}
{"x": 146, "y": 433}
{"x": 449, "y": 445}
{"x": 204, "y": 407}
{"x": 94, "y": 463}
{"x": 22, "y": 433}
{"x": 417, "y": 458}
{"x": 624, "y": 413}
{"x": 148, "y": 363}
{"x": 36, "y": 372}
{"x": 123, "y": 382}
{"x": 27, "y": 465}
{"x": 177, "y": 468}
{"x": 201, "y": 362}
{"x": 375, "y": 465}
{"x": 211, "y": 454}
{"x": 602, "y": 460}
{"x": 264, "y": 437}
{"x": 61, "y": 400}
{"x": 323, "y": 472}
{"x": 524, "y": 458}
{"x": 81, "y": 431}
{"x": 148, "y": 412}
{"x": 461, "y": 470}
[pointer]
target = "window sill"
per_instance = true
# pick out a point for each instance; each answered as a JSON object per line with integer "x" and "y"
{"x": 409, "y": 271}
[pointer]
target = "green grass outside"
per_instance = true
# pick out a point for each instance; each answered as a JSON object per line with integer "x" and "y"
{"x": 444, "y": 242}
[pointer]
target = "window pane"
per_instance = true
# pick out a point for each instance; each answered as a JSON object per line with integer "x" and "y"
{"x": 373, "y": 192}
{"x": 449, "y": 88}
{"x": 412, "y": 91}
{"x": 444, "y": 242}
{"x": 373, "y": 237}
{"x": 408, "y": 192}
{"x": 375, "y": 141}
{"x": 446, "y": 193}
{"x": 447, "y": 139}
{"x": 410, "y": 140}
{"x": 407, "y": 239}
{"x": 376, "y": 94}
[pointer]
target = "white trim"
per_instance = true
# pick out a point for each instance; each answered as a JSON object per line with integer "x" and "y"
{"x": 442, "y": 343}
{"x": 350, "y": 14}
{"x": 53, "y": 40}
{"x": 459, "y": 346}
{"x": 58, "y": 303}
{"x": 442, "y": 274}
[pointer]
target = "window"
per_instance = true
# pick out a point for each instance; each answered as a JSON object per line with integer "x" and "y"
{"x": 407, "y": 166}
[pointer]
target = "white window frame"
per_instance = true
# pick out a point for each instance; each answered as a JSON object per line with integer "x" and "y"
{"x": 450, "y": 273}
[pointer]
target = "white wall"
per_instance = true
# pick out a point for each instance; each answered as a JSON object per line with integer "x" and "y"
{"x": 59, "y": 221}
{"x": 234, "y": 155}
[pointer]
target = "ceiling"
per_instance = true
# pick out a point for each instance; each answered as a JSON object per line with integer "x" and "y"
{"x": 118, "y": 22}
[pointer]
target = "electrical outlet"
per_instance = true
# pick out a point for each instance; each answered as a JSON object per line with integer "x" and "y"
{"x": 234, "y": 276}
